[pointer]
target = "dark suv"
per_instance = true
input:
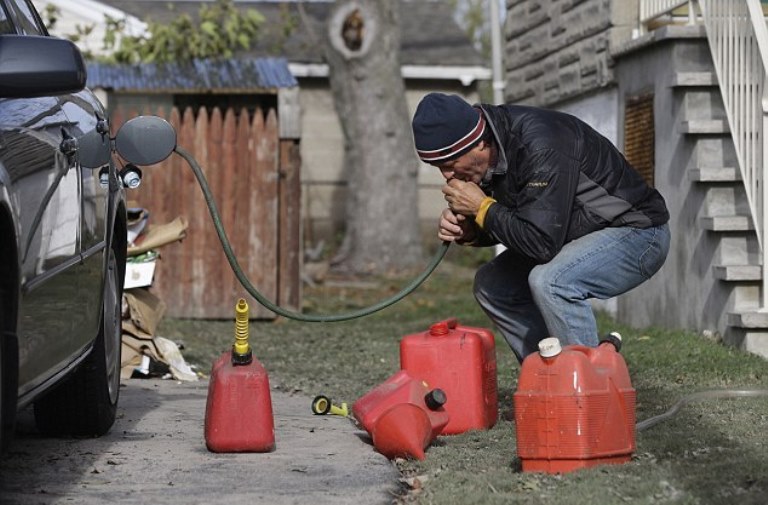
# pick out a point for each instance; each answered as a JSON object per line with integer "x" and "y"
{"x": 62, "y": 236}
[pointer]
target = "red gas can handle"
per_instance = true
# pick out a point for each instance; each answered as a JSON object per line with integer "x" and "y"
{"x": 443, "y": 327}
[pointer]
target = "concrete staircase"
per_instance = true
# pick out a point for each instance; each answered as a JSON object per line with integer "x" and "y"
{"x": 711, "y": 281}
{"x": 725, "y": 215}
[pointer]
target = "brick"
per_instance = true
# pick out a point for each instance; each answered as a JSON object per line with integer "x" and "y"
{"x": 568, "y": 57}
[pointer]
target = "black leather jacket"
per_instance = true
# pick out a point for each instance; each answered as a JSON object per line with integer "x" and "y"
{"x": 556, "y": 180}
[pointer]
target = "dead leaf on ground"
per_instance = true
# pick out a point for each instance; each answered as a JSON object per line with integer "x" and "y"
{"x": 416, "y": 482}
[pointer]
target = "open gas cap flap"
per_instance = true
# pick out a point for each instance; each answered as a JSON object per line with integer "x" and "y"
{"x": 145, "y": 140}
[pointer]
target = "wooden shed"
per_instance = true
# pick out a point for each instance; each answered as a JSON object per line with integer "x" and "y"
{"x": 239, "y": 119}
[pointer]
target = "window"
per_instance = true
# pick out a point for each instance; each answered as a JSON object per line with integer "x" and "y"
{"x": 6, "y": 27}
{"x": 639, "y": 135}
{"x": 26, "y": 18}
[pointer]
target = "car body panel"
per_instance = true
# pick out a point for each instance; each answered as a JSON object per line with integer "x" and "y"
{"x": 44, "y": 191}
{"x": 63, "y": 218}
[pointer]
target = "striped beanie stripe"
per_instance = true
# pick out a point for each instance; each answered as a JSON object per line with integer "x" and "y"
{"x": 457, "y": 148}
{"x": 445, "y": 127}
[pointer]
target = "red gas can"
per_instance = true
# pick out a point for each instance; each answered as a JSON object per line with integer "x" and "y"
{"x": 460, "y": 360}
{"x": 574, "y": 407}
{"x": 403, "y": 431}
{"x": 400, "y": 429}
{"x": 238, "y": 414}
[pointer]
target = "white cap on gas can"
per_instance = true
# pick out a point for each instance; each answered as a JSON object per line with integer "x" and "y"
{"x": 549, "y": 347}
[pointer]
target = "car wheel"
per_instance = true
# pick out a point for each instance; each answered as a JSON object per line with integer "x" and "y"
{"x": 85, "y": 403}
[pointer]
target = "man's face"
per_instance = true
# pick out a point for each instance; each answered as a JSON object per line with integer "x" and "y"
{"x": 470, "y": 166}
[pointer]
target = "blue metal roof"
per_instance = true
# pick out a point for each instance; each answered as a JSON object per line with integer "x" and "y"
{"x": 232, "y": 75}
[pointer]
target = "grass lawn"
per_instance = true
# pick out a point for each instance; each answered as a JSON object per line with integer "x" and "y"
{"x": 711, "y": 452}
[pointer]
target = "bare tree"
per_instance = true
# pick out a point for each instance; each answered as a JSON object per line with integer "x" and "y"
{"x": 362, "y": 48}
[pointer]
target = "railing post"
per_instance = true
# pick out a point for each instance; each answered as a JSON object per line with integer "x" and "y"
{"x": 760, "y": 225}
{"x": 757, "y": 17}
{"x": 691, "y": 13}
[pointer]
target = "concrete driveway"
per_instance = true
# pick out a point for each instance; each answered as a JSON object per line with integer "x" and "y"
{"x": 156, "y": 454}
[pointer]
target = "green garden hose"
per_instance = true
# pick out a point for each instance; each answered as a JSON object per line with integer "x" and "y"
{"x": 702, "y": 395}
{"x": 408, "y": 289}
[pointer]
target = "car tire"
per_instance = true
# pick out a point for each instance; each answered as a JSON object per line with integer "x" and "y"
{"x": 85, "y": 404}
{"x": 4, "y": 435}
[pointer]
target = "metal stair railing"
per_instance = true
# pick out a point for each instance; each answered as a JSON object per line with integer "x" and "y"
{"x": 738, "y": 40}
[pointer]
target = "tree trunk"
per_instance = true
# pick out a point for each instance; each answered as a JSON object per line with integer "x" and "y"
{"x": 363, "y": 53}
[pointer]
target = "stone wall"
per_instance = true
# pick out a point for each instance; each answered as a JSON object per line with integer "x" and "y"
{"x": 556, "y": 50}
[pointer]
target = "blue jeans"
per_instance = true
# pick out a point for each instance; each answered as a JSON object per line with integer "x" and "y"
{"x": 529, "y": 302}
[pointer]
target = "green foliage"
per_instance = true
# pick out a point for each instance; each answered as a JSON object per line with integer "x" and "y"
{"x": 81, "y": 34}
{"x": 50, "y": 15}
{"x": 219, "y": 30}
{"x": 289, "y": 22}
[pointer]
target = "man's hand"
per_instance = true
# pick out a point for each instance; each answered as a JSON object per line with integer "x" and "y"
{"x": 455, "y": 227}
{"x": 464, "y": 198}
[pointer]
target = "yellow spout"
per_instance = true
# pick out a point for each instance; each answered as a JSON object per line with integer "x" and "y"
{"x": 241, "y": 328}
{"x": 340, "y": 411}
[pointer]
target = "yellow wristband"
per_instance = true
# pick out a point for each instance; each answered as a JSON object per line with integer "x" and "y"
{"x": 483, "y": 210}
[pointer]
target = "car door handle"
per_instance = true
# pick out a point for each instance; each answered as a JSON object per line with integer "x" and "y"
{"x": 69, "y": 145}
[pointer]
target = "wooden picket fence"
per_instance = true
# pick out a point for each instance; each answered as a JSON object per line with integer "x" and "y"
{"x": 254, "y": 177}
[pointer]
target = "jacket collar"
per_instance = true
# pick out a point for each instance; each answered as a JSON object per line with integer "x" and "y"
{"x": 502, "y": 165}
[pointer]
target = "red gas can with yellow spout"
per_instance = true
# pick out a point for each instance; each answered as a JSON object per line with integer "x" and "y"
{"x": 238, "y": 413}
{"x": 461, "y": 360}
{"x": 574, "y": 407}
